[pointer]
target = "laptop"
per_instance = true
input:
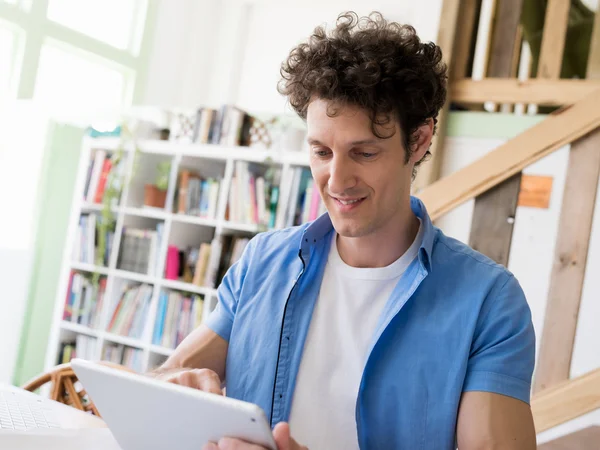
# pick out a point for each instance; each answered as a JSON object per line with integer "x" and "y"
{"x": 24, "y": 411}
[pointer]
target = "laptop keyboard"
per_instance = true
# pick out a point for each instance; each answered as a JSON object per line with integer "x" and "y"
{"x": 20, "y": 413}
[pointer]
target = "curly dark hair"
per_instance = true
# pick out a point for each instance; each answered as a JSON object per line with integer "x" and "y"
{"x": 380, "y": 66}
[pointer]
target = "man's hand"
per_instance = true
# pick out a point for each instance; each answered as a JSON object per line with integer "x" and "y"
{"x": 281, "y": 434}
{"x": 202, "y": 379}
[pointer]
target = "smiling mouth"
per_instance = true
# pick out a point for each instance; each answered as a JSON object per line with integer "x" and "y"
{"x": 348, "y": 204}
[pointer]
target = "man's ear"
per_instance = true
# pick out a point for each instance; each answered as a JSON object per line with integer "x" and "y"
{"x": 422, "y": 137}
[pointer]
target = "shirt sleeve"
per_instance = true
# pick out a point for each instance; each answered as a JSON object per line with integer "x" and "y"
{"x": 221, "y": 319}
{"x": 502, "y": 354}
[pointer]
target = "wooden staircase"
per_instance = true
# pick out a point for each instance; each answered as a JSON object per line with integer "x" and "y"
{"x": 494, "y": 180}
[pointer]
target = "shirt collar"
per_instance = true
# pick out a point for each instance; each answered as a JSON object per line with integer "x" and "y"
{"x": 322, "y": 226}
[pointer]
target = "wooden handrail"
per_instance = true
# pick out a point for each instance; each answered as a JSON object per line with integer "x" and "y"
{"x": 558, "y": 129}
{"x": 509, "y": 90}
{"x": 566, "y": 401}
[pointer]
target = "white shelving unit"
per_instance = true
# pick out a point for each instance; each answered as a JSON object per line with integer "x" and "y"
{"x": 177, "y": 228}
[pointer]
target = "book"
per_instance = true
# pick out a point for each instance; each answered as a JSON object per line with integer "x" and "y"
{"x": 176, "y": 317}
{"x": 160, "y": 318}
{"x": 202, "y": 264}
{"x": 139, "y": 250}
{"x": 106, "y": 167}
{"x": 210, "y": 278}
{"x": 172, "y": 266}
{"x": 99, "y": 158}
{"x": 130, "y": 311}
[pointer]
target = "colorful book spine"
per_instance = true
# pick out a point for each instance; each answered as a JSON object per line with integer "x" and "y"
{"x": 106, "y": 167}
{"x": 172, "y": 266}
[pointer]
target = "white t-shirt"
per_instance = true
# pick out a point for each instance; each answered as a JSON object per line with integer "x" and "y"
{"x": 350, "y": 302}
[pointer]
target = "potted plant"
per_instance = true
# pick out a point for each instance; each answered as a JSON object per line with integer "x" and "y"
{"x": 155, "y": 195}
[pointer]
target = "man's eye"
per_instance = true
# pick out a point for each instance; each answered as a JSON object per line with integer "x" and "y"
{"x": 321, "y": 153}
{"x": 367, "y": 155}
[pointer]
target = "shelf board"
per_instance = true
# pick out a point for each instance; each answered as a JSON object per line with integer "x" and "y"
{"x": 110, "y": 144}
{"x": 247, "y": 227}
{"x": 161, "y": 350}
{"x": 78, "y": 328}
{"x": 134, "y": 276}
{"x": 88, "y": 206}
{"x": 125, "y": 340}
{"x": 194, "y": 220}
{"x": 150, "y": 213}
{"x": 187, "y": 287}
{"x": 209, "y": 151}
{"x": 85, "y": 267}
{"x": 96, "y": 207}
{"x": 299, "y": 158}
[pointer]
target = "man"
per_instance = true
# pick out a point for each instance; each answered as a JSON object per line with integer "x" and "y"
{"x": 368, "y": 328}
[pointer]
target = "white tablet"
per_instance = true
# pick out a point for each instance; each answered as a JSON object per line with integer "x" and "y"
{"x": 148, "y": 414}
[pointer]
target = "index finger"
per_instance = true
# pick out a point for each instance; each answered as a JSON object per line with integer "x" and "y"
{"x": 237, "y": 444}
{"x": 208, "y": 383}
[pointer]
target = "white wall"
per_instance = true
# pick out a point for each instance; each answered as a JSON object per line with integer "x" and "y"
{"x": 275, "y": 28}
{"x": 212, "y": 52}
{"x": 22, "y": 144}
{"x": 183, "y": 45}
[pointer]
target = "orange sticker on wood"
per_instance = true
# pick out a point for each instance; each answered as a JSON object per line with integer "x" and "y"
{"x": 535, "y": 191}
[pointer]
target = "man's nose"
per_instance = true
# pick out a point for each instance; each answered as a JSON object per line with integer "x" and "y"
{"x": 341, "y": 175}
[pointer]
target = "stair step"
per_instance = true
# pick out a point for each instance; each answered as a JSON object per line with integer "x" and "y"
{"x": 584, "y": 439}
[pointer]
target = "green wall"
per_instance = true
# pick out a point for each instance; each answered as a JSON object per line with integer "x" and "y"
{"x": 55, "y": 192}
{"x": 489, "y": 125}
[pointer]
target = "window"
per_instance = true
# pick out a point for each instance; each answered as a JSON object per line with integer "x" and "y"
{"x": 75, "y": 56}
{"x": 9, "y": 48}
{"x": 116, "y": 22}
{"x": 70, "y": 80}
{"x": 25, "y": 5}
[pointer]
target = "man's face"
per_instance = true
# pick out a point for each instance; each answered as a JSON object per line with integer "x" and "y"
{"x": 363, "y": 180}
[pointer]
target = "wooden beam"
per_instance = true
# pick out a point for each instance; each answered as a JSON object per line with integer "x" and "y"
{"x": 566, "y": 401}
{"x": 570, "y": 257}
{"x": 494, "y": 212}
{"x": 553, "y": 39}
{"x": 430, "y": 171}
{"x": 508, "y": 13}
{"x": 493, "y": 219}
{"x": 507, "y": 90}
{"x": 571, "y": 250}
{"x": 447, "y": 29}
{"x": 485, "y": 27}
{"x": 558, "y": 129}
{"x": 514, "y": 65}
{"x": 593, "y": 68}
{"x": 464, "y": 42}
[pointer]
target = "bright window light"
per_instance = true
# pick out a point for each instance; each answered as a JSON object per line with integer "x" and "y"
{"x": 118, "y": 23}
{"x": 25, "y": 5}
{"x": 78, "y": 87}
{"x": 8, "y": 43}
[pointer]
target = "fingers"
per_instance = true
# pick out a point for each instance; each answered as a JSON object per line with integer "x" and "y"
{"x": 281, "y": 434}
{"x": 232, "y": 444}
{"x": 283, "y": 438}
{"x": 202, "y": 379}
{"x": 209, "y": 382}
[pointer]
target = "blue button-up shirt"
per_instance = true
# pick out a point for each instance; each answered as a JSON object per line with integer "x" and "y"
{"x": 455, "y": 322}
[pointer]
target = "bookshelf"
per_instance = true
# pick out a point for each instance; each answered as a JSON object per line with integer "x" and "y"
{"x": 86, "y": 316}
